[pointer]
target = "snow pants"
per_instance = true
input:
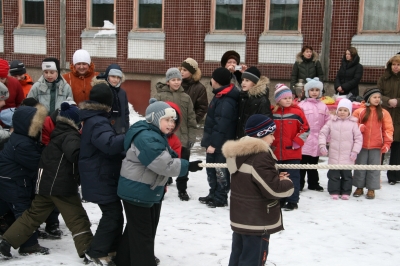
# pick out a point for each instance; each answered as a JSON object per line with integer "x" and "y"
{"x": 369, "y": 179}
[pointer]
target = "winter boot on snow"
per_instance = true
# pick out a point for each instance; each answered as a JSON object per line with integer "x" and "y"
{"x": 54, "y": 231}
{"x": 370, "y": 194}
{"x": 5, "y": 249}
{"x": 157, "y": 260}
{"x": 103, "y": 261}
{"x": 35, "y": 249}
{"x": 170, "y": 181}
{"x": 206, "y": 199}
{"x": 358, "y": 192}
{"x": 183, "y": 195}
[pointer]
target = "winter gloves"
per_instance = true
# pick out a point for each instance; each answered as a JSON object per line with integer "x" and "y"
{"x": 323, "y": 150}
{"x": 353, "y": 156}
{"x": 385, "y": 149}
{"x": 194, "y": 166}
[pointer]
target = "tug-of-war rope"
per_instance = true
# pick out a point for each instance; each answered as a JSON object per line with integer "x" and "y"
{"x": 317, "y": 166}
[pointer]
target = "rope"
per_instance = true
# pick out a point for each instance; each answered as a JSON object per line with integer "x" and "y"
{"x": 317, "y": 166}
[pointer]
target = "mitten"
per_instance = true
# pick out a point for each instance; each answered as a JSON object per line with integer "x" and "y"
{"x": 295, "y": 146}
{"x": 323, "y": 150}
{"x": 353, "y": 156}
{"x": 384, "y": 149}
{"x": 362, "y": 128}
{"x": 194, "y": 166}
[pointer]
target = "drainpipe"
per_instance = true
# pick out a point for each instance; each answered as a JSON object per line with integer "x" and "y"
{"x": 326, "y": 38}
{"x": 63, "y": 51}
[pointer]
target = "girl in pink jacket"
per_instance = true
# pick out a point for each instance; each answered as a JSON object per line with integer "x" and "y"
{"x": 317, "y": 114}
{"x": 345, "y": 144}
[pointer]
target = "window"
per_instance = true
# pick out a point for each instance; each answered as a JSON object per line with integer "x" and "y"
{"x": 101, "y": 10}
{"x": 33, "y": 12}
{"x": 283, "y": 15}
{"x": 227, "y": 15}
{"x": 149, "y": 15}
{"x": 379, "y": 16}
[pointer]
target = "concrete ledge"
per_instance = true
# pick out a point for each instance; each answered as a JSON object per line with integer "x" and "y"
{"x": 92, "y": 34}
{"x": 293, "y": 39}
{"x": 376, "y": 39}
{"x": 29, "y": 31}
{"x": 150, "y": 36}
{"x": 225, "y": 38}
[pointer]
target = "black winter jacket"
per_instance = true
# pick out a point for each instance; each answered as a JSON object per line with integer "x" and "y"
{"x": 58, "y": 167}
{"x": 254, "y": 101}
{"x": 304, "y": 68}
{"x": 19, "y": 159}
{"x": 100, "y": 156}
{"x": 220, "y": 124}
{"x": 349, "y": 76}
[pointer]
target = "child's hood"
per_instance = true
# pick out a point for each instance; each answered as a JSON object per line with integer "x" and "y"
{"x": 178, "y": 116}
{"x": 261, "y": 88}
{"x": 135, "y": 129}
{"x": 350, "y": 118}
{"x": 28, "y": 121}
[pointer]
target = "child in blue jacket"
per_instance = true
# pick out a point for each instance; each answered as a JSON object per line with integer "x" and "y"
{"x": 145, "y": 170}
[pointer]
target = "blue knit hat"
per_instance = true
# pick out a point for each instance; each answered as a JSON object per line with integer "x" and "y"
{"x": 70, "y": 111}
{"x": 259, "y": 126}
{"x": 158, "y": 110}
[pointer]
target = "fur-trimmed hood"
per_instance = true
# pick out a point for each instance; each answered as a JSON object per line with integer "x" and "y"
{"x": 299, "y": 59}
{"x": 245, "y": 146}
{"x": 96, "y": 81}
{"x": 196, "y": 76}
{"x": 28, "y": 121}
{"x": 67, "y": 121}
{"x": 388, "y": 71}
{"x": 260, "y": 88}
{"x": 95, "y": 106}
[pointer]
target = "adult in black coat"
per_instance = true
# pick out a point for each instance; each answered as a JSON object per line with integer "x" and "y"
{"x": 19, "y": 165}
{"x": 349, "y": 74}
{"x": 100, "y": 162}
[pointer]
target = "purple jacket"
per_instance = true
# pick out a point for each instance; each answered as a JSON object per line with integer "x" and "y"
{"x": 317, "y": 114}
{"x": 346, "y": 137}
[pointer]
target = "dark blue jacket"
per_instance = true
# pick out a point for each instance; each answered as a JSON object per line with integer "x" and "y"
{"x": 119, "y": 114}
{"x": 222, "y": 116}
{"x": 19, "y": 159}
{"x": 100, "y": 154}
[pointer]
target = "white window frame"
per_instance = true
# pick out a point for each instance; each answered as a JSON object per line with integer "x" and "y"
{"x": 213, "y": 18}
{"x": 281, "y": 32}
{"x": 21, "y": 15}
{"x": 89, "y": 15}
{"x": 136, "y": 19}
{"x": 361, "y": 21}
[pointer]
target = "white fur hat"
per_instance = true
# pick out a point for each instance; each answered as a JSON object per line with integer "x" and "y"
{"x": 345, "y": 103}
{"x": 313, "y": 83}
{"x": 81, "y": 56}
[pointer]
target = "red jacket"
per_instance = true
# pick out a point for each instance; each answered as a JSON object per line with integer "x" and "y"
{"x": 173, "y": 139}
{"x": 291, "y": 129}
{"x": 15, "y": 91}
{"x": 48, "y": 127}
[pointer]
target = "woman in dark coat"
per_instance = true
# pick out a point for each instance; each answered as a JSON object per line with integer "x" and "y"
{"x": 307, "y": 65}
{"x": 349, "y": 74}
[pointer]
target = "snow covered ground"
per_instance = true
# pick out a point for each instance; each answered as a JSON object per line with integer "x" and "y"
{"x": 321, "y": 232}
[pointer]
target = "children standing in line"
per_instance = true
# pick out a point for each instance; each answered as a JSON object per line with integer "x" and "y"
{"x": 292, "y": 130}
{"x": 345, "y": 143}
{"x": 145, "y": 170}
{"x": 376, "y": 126}
{"x": 99, "y": 166}
{"x": 191, "y": 75}
{"x": 119, "y": 114}
{"x": 253, "y": 98}
{"x": 255, "y": 191}
{"x": 51, "y": 89}
{"x": 173, "y": 92}
{"x": 317, "y": 114}
{"x": 220, "y": 126}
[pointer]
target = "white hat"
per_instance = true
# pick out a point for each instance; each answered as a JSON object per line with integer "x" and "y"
{"x": 313, "y": 83}
{"x": 345, "y": 103}
{"x": 81, "y": 56}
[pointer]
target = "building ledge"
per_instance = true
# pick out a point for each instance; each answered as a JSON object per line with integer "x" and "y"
{"x": 376, "y": 39}
{"x": 29, "y": 32}
{"x": 149, "y": 36}
{"x": 97, "y": 34}
{"x": 294, "y": 39}
{"x": 225, "y": 38}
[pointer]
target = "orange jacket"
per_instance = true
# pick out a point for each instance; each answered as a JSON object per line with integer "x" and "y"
{"x": 26, "y": 84}
{"x": 80, "y": 85}
{"x": 375, "y": 134}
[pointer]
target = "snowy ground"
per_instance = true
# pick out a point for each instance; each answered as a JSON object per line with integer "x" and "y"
{"x": 321, "y": 232}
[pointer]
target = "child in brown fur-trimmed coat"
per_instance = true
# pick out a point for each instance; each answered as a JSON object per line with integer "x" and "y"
{"x": 256, "y": 187}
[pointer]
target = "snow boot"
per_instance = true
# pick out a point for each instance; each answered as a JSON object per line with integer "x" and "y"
{"x": 183, "y": 195}
{"x": 5, "y": 249}
{"x": 157, "y": 260}
{"x": 316, "y": 188}
{"x": 54, "y": 231}
{"x": 216, "y": 203}
{"x": 205, "y": 199}
{"x": 103, "y": 261}
{"x": 370, "y": 194}
{"x": 35, "y": 249}
{"x": 290, "y": 206}
{"x": 335, "y": 196}
{"x": 170, "y": 181}
{"x": 358, "y": 192}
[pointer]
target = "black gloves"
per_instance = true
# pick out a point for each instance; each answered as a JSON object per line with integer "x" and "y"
{"x": 194, "y": 166}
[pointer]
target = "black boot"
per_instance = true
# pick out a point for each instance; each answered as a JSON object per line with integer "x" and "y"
{"x": 206, "y": 199}
{"x": 183, "y": 195}
{"x": 35, "y": 249}
{"x": 5, "y": 249}
{"x": 53, "y": 230}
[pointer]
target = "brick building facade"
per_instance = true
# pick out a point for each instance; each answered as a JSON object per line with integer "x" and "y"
{"x": 188, "y": 31}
